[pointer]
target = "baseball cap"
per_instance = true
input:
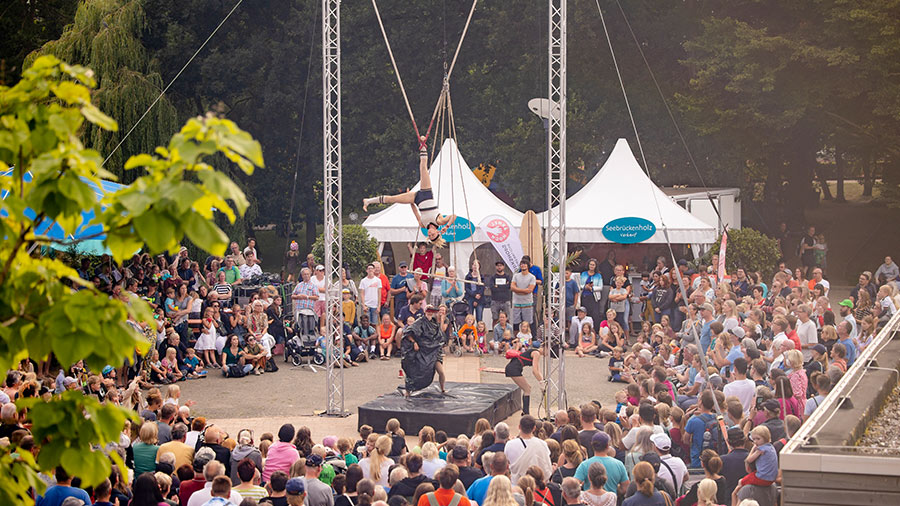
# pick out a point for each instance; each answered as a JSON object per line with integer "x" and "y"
{"x": 652, "y": 459}
{"x": 431, "y": 307}
{"x": 69, "y": 381}
{"x": 662, "y": 441}
{"x": 320, "y": 267}
{"x": 314, "y": 460}
{"x": 682, "y": 262}
{"x": 182, "y": 249}
{"x": 345, "y": 290}
{"x": 402, "y": 265}
{"x": 295, "y": 486}
{"x": 771, "y": 405}
{"x": 499, "y": 262}
{"x": 582, "y": 309}
{"x": 846, "y": 303}
{"x": 820, "y": 349}
{"x": 737, "y": 332}
{"x": 601, "y": 438}
{"x": 735, "y": 434}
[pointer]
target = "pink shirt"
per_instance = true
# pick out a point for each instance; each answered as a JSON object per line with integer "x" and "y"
{"x": 279, "y": 458}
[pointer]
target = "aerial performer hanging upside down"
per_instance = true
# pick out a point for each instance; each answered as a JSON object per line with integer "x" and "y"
{"x": 422, "y": 349}
{"x": 423, "y": 203}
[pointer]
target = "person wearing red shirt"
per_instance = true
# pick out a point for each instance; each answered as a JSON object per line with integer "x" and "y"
{"x": 422, "y": 258}
{"x": 385, "y": 286}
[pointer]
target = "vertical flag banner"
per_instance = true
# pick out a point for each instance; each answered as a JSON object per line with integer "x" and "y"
{"x": 721, "y": 272}
{"x": 500, "y": 232}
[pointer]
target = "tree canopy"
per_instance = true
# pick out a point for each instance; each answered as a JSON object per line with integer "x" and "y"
{"x": 768, "y": 94}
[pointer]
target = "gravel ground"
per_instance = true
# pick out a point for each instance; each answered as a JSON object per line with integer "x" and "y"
{"x": 882, "y": 436}
{"x": 299, "y": 392}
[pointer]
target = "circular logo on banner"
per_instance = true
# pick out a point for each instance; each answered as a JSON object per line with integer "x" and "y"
{"x": 460, "y": 230}
{"x": 497, "y": 230}
{"x": 629, "y": 230}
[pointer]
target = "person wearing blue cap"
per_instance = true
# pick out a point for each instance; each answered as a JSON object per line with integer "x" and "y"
{"x": 617, "y": 476}
{"x": 295, "y": 491}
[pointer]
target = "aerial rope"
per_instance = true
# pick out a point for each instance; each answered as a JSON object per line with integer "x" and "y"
{"x": 718, "y": 409}
{"x": 420, "y": 138}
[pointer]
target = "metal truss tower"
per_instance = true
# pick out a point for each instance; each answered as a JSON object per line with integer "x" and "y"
{"x": 331, "y": 137}
{"x": 555, "y": 235}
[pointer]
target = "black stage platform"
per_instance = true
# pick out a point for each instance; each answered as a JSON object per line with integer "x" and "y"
{"x": 455, "y": 412}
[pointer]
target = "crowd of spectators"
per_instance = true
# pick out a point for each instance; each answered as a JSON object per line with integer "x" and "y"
{"x": 759, "y": 355}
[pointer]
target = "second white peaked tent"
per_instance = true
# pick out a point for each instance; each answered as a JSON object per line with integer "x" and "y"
{"x": 621, "y": 189}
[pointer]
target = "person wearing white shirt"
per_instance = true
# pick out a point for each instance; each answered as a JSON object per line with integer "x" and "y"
{"x": 248, "y": 270}
{"x": 741, "y": 387}
{"x": 370, "y": 286}
{"x": 578, "y": 321}
{"x": 211, "y": 470}
{"x": 806, "y": 331}
{"x": 526, "y": 451}
{"x": 674, "y": 469}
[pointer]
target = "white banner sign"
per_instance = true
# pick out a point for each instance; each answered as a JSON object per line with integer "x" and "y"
{"x": 501, "y": 234}
{"x": 721, "y": 266}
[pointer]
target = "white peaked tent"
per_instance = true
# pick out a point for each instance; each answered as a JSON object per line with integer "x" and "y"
{"x": 458, "y": 192}
{"x": 622, "y": 189}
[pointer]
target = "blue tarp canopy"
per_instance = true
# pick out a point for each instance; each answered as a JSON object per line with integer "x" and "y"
{"x": 87, "y": 227}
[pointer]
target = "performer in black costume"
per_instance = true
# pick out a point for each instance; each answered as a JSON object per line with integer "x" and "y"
{"x": 422, "y": 349}
{"x": 516, "y": 366}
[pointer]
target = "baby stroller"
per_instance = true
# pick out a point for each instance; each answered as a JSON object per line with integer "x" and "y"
{"x": 303, "y": 344}
{"x": 458, "y": 313}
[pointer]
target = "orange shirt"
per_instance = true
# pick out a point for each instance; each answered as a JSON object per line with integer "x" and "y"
{"x": 443, "y": 496}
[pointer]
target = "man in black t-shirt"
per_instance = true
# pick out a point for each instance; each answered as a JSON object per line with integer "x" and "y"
{"x": 807, "y": 249}
{"x": 500, "y": 293}
{"x": 467, "y": 474}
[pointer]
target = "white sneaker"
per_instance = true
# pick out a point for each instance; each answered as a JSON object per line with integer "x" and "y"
{"x": 604, "y": 354}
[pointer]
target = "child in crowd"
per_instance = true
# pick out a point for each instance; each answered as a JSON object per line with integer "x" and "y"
{"x": 157, "y": 373}
{"x": 468, "y": 333}
{"x": 524, "y": 337}
{"x": 344, "y": 449}
{"x": 587, "y": 340}
{"x": 193, "y": 365}
{"x": 506, "y": 341}
{"x": 762, "y": 461}
{"x": 621, "y": 405}
{"x": 481, "y": 329}
{"x": 173, "y": 396}
{"x": 616, "y": 366}
{"x": 170, "y": 365}
{"x": 348, "y": 306}
{"x": 206, "y": 343}
{"x": 359, "y": 448}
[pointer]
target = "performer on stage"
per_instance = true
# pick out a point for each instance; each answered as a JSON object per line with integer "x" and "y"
{"x": 530, "y": 356}
{"x": 423, "y": 203}
{"x": 422, "y": 350}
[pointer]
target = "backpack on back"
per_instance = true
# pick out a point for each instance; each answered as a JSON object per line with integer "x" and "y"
{"x": 712, "y": 436}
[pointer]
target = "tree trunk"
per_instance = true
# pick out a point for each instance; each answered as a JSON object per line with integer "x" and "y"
{"x": 868, "y": 176}
{"x": 839, "y": 170}
{"x": 826, "y": 191}
{"x": 311, "y": 229}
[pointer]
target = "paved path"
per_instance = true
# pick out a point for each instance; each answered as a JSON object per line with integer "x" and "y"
{"x": 295, "y": 395}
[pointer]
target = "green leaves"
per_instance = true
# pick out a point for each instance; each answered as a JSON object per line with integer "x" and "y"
{"x": 168, "y": 203}
{"x": 71, "y": 428}
{"x": 45, "y": 307}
